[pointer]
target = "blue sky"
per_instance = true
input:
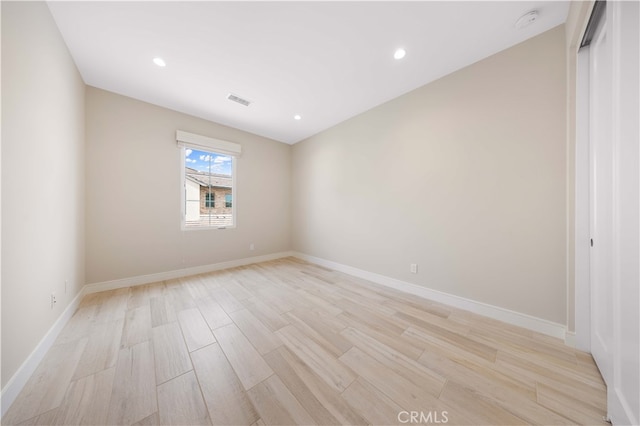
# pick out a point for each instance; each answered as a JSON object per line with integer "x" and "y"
{"x": 207, "y": 161}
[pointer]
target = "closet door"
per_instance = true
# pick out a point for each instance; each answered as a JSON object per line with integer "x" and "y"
{"x": 614, "y": 149}
{"x": 601, "y": 199}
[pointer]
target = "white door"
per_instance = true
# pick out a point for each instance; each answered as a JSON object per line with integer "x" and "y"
{"x": 601, "y": 199}
{"x": 614, "y": 151}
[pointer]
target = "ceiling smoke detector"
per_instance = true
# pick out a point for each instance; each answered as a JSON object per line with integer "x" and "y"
{"x": 527, "y": 19}
{"x": 238, "y": 99}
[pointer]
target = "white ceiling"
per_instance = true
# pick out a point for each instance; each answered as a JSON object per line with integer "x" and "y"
{"x": 326, "y": 61}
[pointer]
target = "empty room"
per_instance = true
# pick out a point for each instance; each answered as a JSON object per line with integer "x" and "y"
{"x": 320, "y": 213}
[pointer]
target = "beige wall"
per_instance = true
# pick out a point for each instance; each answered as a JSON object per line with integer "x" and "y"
{"x": 465, "y": 176}
{"x": 42, "y": 149}
{"x": 131, "y": 144}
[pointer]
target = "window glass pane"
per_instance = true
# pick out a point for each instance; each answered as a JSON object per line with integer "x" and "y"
{"x": 208, "y": 176}
{"x": 210, "y": 200}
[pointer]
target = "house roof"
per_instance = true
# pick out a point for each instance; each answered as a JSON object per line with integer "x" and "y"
{"x": 208, "y": 179}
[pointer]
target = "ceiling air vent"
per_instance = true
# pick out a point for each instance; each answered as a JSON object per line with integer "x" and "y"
{"x": 238, "y": 99}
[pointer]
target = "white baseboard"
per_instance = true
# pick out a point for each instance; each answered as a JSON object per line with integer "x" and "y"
{"x": 512, "y": 317}
{"x": 570, "y": 339}
{"x": 179, "y": 273}
{"x": 20, "y": 378}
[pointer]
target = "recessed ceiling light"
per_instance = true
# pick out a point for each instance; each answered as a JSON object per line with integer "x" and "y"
{"x": 297, "y": 117}
{"x": 400, "y": 53}
{"x": 159, "y": 62}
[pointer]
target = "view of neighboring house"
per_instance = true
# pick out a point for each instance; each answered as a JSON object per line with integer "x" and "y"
{"x": 208, "y": 196}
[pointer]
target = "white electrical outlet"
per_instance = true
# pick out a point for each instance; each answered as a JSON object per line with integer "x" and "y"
{"x": 66, "y": 282}
{"x": 53, "y": 300}
{"x": 413, "y": 268}
{"x": 252, "y": 246}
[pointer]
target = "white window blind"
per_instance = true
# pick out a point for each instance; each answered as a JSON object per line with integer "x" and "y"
{"x": 210, "y": 144}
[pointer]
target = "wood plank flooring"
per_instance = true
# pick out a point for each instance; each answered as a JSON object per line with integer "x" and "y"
{"x": 288, "y": 342}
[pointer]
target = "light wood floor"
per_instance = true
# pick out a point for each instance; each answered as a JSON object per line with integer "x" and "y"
{"x": 287, "y": 342}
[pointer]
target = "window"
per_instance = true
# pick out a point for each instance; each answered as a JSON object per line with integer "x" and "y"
{"x": 207, "y": 173}
{"x": 210, "y": 200}
{"x": 209, "y": 167}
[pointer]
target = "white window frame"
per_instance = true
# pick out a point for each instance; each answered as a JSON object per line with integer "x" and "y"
{"x": 187, "y": 140}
